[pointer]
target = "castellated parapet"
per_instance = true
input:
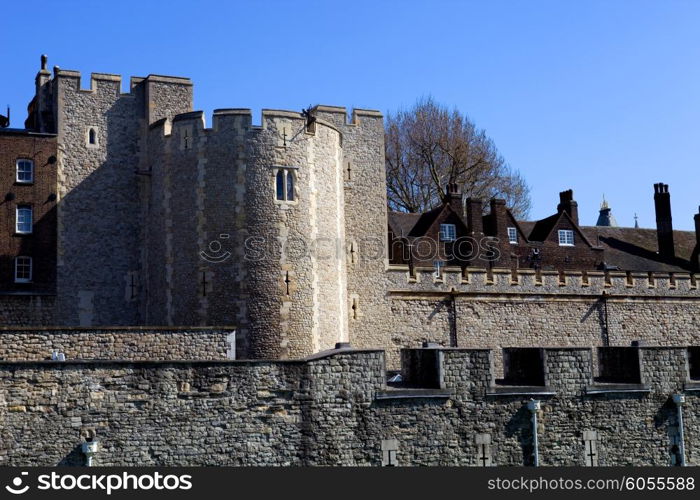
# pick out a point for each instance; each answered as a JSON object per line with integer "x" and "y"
{"x": 163, "y": 221}
{"x": 279, "y": 231}
{"x": 267, "y": 412}
{"x": 285, "y": 285}
{"x": 100, "y": 147}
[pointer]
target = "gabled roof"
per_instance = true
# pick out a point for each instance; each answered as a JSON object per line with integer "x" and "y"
{"x": 425, "y": 221}
{"x": 402, "y": 223}
{"x": 543, "y": 228}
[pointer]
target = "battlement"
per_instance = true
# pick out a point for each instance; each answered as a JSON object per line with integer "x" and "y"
{"x": 235, "y": 122}
{"x": 111, "y": 82}
{"x": 352, "y": 119}
{"x": 527, "y": 281}
{"x": 551, "y": 371}
{"x": 340, "y": 401}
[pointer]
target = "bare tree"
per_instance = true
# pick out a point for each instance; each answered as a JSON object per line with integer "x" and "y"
{"x": 429, "y": 146}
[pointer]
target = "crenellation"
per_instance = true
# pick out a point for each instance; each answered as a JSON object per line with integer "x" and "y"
{"x": 281, "y": 229}
{"x": 338, "y": 400}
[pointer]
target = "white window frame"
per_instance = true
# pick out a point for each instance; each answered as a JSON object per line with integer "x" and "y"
{"x": 448, "y": 232}
{"x": 439, "y": 265}
{"x": 287, "y": 173}
{"x": 19, "y": 209}
{"x": 512, "y": 235}
{"x": 566, "y": 237}
{"x": 27, "y": 262}
{"x": 31, "y": 171}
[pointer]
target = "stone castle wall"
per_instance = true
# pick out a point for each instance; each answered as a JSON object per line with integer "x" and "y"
{"x": 335, "y": 408}
{"x": 99, "y": 210}
{"x": 27, "y": 310}
{"x": 123, "y": 343}
{"x": 281, "y": 280}
{"x": 366, "y": 223}
{"x": 502, "y": 309}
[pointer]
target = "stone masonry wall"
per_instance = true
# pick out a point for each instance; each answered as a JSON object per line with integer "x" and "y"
{"x": 334, "y": 409}
{"x": 101, "y": 250}
{"x": 502, "y": 310}
{"x": 27, "y": 310}
{"x": 126, "y": 343}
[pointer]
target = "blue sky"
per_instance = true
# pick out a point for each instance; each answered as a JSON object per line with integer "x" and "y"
{"x": 600, "y": 97}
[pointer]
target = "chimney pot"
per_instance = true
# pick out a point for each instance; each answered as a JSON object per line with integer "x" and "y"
{"x": 664, "y": 222}
{"x": 568, "y": 205}
{"x": 475, "y": 221}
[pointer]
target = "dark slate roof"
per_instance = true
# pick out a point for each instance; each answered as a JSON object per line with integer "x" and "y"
{"x": 402, "y": 222}
{"x": 540, "y": 229}
{"x": 606, "y": 218}
{"x": 426, "y": 220}
{"x": 635, "y": 249}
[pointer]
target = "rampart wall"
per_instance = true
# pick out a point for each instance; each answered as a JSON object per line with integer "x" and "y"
{"x": 124, "y": 343}
{"x": 502, "y": 308}
{"x": 335, "y": 408}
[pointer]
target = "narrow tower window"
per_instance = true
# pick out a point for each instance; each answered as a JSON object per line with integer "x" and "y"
{"x": 290, "y": 186}
{"x": 280, "y": 185}
{"x": 284, "y": 184}
{"x": 92, "y": 136}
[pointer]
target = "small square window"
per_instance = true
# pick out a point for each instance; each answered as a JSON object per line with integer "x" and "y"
{"x": 23, "y": 219}
{"x": 23, "y": 269}
{"x": 566, "y": 237}
{"x": 513, "y": 235}
{"x": 439, "y": 264}
{"x": 448, "y": 232}
{"x": 25, "y": 171}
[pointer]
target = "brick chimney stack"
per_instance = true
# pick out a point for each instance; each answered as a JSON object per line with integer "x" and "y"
{"x": 475, "y": 221}
{"x": 454, "y": 198}
{"x": 568, "y": 205}
{"x": 664, "y": 226}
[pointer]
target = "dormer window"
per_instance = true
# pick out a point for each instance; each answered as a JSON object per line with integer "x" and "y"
{"x": 284, "y": 185}
{"x": 448, "y": 232}
{"x": 566, "y": 238}
{"x": 25, "y": 171}
{"x": 512, "y": 236}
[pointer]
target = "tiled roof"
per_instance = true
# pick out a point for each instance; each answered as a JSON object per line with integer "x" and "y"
{"x": 402, "y": 222}
{"x": 635, "y": 249}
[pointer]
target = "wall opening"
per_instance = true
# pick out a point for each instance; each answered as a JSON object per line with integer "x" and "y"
{"x": 523, "y": 366}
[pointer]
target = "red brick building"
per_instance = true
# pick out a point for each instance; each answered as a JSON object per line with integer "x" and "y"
{"x": 28, "y": 221}
{"x": 556, "y": 242}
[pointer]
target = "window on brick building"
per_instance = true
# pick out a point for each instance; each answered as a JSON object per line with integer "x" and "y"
{"x": 23, "y": 269}
{"x": 566, "y": 237}
{"x": 448, "y": 232}
{"x": 439, "y": 264}
{"x": 25, "y": 171}
{"x": 24, "y": 219}
{"x": 284, "y": 185}
{"x": 513, "y": 235}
